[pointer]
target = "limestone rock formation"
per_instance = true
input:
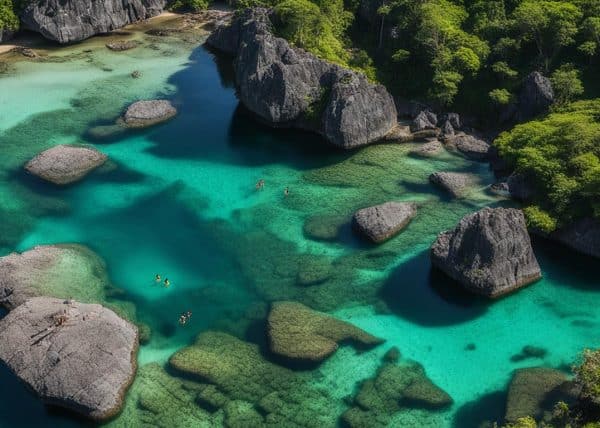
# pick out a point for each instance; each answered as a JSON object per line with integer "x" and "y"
{"x": 78, "y": 356}
{"x": 534, "y": 391}
{"x": 425, "y": 120}
{"x": 469, "y": 145}
{"x": 63, "y": 271}
{"x": 455, "y": 183}
{"x": 147, "y": 113}
{"x": 379, "y": 223}
{"x": 582, "y": 235}
{"x": 489, "y": 252}
{"x": 429, "y": 149}
{"x": 288, "y": 87}
{"x": 5, "y": 35}
{"x": 299, "y": 333}
{"x": 68, "y": 21}
{"x": 536, "y": 96}
{"x": 65, "y": 164}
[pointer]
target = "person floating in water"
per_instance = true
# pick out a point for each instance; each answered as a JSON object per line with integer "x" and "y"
{"x": 260, "y": 184}
{"x": 182, "y": 319}
{"x": 157, "y": 278}
{"x": 286, "y": 192}
{"x": 167, "y": 282}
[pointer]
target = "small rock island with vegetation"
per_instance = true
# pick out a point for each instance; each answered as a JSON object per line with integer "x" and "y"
{"x": 300, "y": 213}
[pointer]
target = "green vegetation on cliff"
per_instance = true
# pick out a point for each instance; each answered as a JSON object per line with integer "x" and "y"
{"x": 8, "y": 18}
{"x": 560, "y": 154}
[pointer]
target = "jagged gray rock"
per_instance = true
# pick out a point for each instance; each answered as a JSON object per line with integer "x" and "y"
{"x": 379, "y": 223}
{"x": 429, "y": 149}
{"x": 472, "y": 147}
{"x": 535, "y": 97}
{"x": 489, "y": 252}
{"x": 288, "y": 87}
{"x": 455, "y": 183}
{"x": 425, "y": 120}
{"x": 78, "y": 356}
{"x": 65, "y": 164}
{"x": 147, "y": 113}
{"x": 68, "y": 21}
{"x": 582, "y": 236}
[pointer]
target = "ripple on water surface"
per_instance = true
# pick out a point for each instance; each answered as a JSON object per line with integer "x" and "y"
{"x": 182, "y": 203}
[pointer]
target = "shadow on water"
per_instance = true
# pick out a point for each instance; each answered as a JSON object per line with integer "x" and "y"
{"x": 486, "y": 408}
{"x": 227, "y": 132}
{"x": 423, "y": 295}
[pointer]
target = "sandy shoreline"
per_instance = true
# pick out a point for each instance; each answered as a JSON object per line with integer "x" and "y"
{"x": 30, "y": 41}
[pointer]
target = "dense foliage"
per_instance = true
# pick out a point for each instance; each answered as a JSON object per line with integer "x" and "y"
{"x": 560, "y": 154}
{"x": 8, "y": 19}
{"x": 189, "y": 5}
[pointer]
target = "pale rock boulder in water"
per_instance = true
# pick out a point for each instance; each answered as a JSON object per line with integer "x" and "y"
{"x": 65, "y": 164}
{"x": 456, "y": 184}
{"x": 81, "y": 357}
{"x": 147, "y": 113}
{"x": 288, "y": 87}
{"x": 381, "y": 222}
{"x": 489, "y": 252}
{"x": 69, "y": 21}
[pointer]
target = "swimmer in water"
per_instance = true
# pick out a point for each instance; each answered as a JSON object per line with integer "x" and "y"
{"x": 260, "y": 184}
{"x": 286, "y": 192}
{"x": 167, "y": 282}
{"x": 157, "y": 278}
{"x": 182, "y": 319}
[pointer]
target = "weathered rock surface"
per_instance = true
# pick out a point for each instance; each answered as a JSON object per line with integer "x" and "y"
{"x": 5, "y": 34}
{"x": 289, "y": 87}
{"x": 472, "y": 147}
{"x": 147, "y": 113}
{"x": 424, "y": 120}
{"x": 122, "y": 45}
{"x": 379, "y": 223}
{"x": 489, "y": 252}
{"x": 65, "y": 164}
{"x": 582, "y": 235}
{"x": 299, "y": 333}
{"x": 430, "y": 149}
{"x": 68, "y": 21}
{"x": 535, "y": 97}
{"x": 455, "y": 183}
{"x": 534, "y": 391}
{"x": 78, "y": 356}
{"x": 61, "y": 271}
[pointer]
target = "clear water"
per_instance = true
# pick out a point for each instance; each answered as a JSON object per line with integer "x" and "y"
{"x": 181, "y": 202}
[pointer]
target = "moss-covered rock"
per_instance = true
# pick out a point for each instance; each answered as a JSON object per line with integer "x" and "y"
{"x": 534, "y": 392}
{"x": 323, "y": 227}
{"x": 298, "y": 333}
{"x": 314, "y": 270}
{"x": 395, "y": 388}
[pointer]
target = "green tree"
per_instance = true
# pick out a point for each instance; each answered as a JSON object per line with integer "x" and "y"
{"x": 566, "y": 83}
{"x": 8, "y": 18}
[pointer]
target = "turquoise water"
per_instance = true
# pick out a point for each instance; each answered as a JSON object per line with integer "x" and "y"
{"x": 181, "y": 202}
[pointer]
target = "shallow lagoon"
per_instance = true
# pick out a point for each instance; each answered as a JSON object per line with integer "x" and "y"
{"x": 180, "y": 201}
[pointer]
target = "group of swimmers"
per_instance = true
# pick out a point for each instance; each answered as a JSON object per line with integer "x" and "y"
{"x": 260, "y": 184}
{"x": 185, "y": 317}
{"x": 158, "y": 279}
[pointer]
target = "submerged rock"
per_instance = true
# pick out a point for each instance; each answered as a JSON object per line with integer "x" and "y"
{"x": 78, "y": 356}
{"x": 379, "y": 223}
{"x": 395, "y": 388}
{"x": 290, "y": 87}
{"x": 534, "y": 392}
{"x": 489, "y": 252}
{"x": 65, "y": 164}
{"x": 147, "y": 113}
{"x": 122, "y": 45}
{"x": 455, "y": 183}
{"x": 299, "y": 333}
{"x": 62, "y": 271}
{"x": 323, "y": 227}
{"x": 68, "y": 21}
{"x": 430, "y": 149}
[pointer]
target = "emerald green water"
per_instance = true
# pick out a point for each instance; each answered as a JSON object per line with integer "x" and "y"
{"x": 181, "y": 202}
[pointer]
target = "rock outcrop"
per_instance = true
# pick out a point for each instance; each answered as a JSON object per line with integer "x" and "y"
{"x": 288, "y": 87}
{"x": 62, "y": 271}
{"x": 456, "y": 184}
{"x": 142, "y": 114}
{"x": 582, "y": 236}
{"x": 379, "y": 223}
{"x": 425, "y": 120}
{"x": 429, "y": 149}
{"x": 78, "y": 356}
{"x": 69, "y": 21}
{"x": 535, "y": 97}
{"x": 5, "y": 34}
{"x": 472, "y": 147}
{"x": 65, "y": 164}
{"x": 534, "y": 391}
{"x": 301, "y": 334}
{"x": 489, "y": 252}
